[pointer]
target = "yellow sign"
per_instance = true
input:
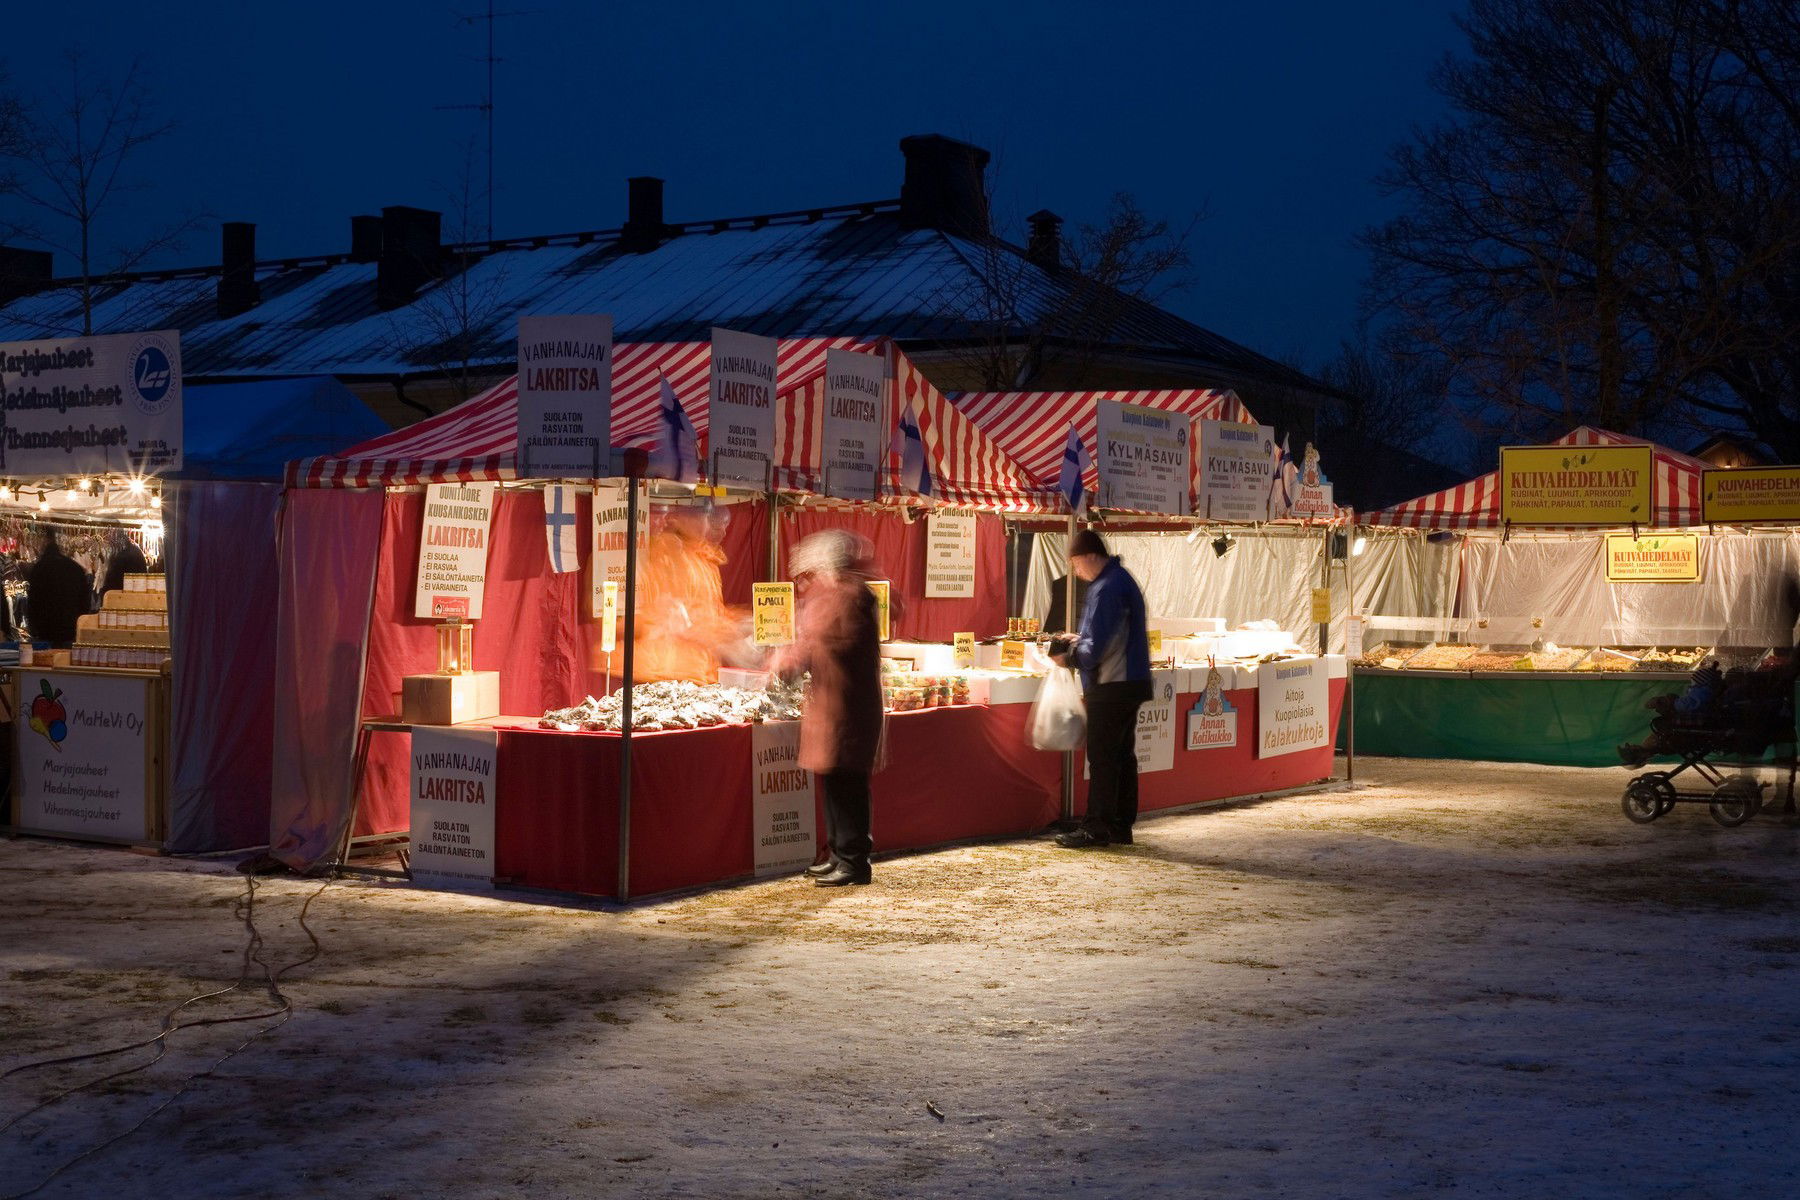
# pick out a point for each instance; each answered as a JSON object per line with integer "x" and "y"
{"x": 965, "y": 649}
{"x": 609, "y": 616}
{"x": 1321, "y": 606}
{"x": 880, "y": 588}
{"x": 772, "y": 606}
{"x": 1156, "y": 643}
{"x": 1575, "y": 485}
{"x": 1012, "y": 655}
{"x": 1747, "y": 494}
{"x": 1663, "y": 558}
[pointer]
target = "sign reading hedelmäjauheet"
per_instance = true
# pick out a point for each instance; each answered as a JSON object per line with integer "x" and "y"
{"x": 1236, "y": 468}
{"x": 1144, "y": 460}
{"x": 90, "y": 405}
{"x": 785, "y": 816}
{"x": 452, "y": 819}
{"x": 1292, "y": 707}
{"x": 1654, "y": 558}
{"x": 1742, "y": 495}
{"x": 453, "y": 550}
{"x": 741, "y": 410}
{"x": 1575, "y": 485}
{"x": 565, "y": 396}
{"x": 855, "y": 419}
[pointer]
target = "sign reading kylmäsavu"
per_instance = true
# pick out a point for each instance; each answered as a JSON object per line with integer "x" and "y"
{"x": 84, "y": 755}
{"x": 89, "y": 405}
{"x": 784, "y": 815}
{"x": 1144, "y": 458}
{"x": 565, "y": 396}
{"x": 949, "y": 556}
{"x": 1656, "y": 558}
{"x": 855, "y": 419}
{"x": 612, "y": 509}
{"x": 1293, "y": 707}
{"x": 453, "y": 550}
{"x": 741, "y": 409}
{"x": 1237, "y": 470}
{"x": 1575, "y": 485}
{"x": 452, "y": 822}
{"x": 1741, "y": 495}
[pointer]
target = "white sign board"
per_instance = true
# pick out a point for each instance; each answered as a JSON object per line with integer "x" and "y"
{"x": 949, "y": 556}
{"x": 612, "y": 510}
{"x": 1144, "y": 459}
{"x": 452, "y": 823}
{"x": 453, "y": 550}
{"x": 565, "y": 396}
{"x": 1292, "y": 707}
{"x": 855, "y": 418}
{"x": 83, "y": 761}
{"x": 784, "y": 818}
{"x": 1212, "y": 723}
{"x": 89, "y": 405}
{"x": 1312, "y": 491}
{"x": 1237, "y": 467}
{"x": 1156, "y": 730}
{"x": 741, "y": 412}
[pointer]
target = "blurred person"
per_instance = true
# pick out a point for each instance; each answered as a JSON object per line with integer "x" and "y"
{"x": 56, "y": 594}
{"x": 1112, "y": 650}
{"x": 684, "y": 626}
{"x": 838, "y": 641}
{"x": 123, "y": 558}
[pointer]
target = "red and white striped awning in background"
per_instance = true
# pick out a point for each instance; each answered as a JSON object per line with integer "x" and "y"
{"x": 1033, "y": 427}
{"x": 968, "y": 467}
{"x": 1674, "y": 495}
{"x": 478, "y": 439}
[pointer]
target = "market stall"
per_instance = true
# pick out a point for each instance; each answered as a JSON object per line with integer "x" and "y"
{"x": 1552, "y": 638}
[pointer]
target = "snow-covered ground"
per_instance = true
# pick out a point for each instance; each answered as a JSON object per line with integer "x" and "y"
{"x": 1464, "y": 979}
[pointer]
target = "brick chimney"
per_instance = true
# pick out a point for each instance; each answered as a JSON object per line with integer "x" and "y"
{"x": 1045, "y": 245}
{"x": 411, "y": 254}
{"x": 22, "y": 272}
{"x": 238, "y": 291}
{"x": 945, "y": 186}
{"x": 644, "y": 229}
{"x": 365, "y": 239}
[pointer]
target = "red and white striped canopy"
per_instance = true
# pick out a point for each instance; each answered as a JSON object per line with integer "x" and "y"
{"x": 1674, "y": 491}
{"x": 1033, "y": 427}
{"x": 968, "y": 466}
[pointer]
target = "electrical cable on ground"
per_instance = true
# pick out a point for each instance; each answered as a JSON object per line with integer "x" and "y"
{"x": 277, "y": 1016}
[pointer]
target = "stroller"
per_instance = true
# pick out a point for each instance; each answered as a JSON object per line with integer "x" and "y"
{"x": 1720, "y": 728}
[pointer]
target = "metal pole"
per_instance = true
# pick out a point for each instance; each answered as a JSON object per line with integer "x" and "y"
{"x": 1325, "y": 582}
{"x": 631, "y": 565}
{"x": 774, "y": 575}
{"x": 1070, "y": 622}
{"x": 1350, "y": 668}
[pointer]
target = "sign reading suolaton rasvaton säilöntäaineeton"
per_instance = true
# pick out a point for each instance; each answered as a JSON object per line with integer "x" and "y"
{"x": 740, "y": 438}
{"x": 1144, "y": 457}
{"x": 453, "y": 550}
{"x": 565, "y": 396}
{"x": 90, "y": 405}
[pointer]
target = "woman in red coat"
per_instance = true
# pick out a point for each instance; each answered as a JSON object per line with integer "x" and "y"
{"x": 841, "y": 724}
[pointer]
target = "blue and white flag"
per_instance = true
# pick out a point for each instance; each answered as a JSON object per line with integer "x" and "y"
{"x": 676, "y": 454}
{"x": 559, "y": 529}
{"x": 1284, "y": 486}
{"x": 909, "y": 447}
{"x": 1075, "y": 466}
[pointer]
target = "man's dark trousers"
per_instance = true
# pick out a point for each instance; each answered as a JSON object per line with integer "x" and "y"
{"x": 1112, "y": 710}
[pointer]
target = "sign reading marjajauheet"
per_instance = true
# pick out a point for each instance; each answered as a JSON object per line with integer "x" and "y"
{"x": 452, "y": 823}
{"x": 565, "y": 396}
{"x": 784, "y": 816}
{"x": 1236, "y": 469}
{"x": 741, "y": 409}
{"x": 89, "y": 405}
{"x": 855, "y": 416}
{"x": 1292, "y": 707}
{"x": 1655, "y": 558}
{"x": 1743, "y": 495}
{"x": 1144, "y": 461}
{"x": 453, "y": 550}
{"x": 1575, "y": 485}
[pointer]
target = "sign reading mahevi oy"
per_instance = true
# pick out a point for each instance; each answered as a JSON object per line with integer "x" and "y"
{"x": 85, "y": 760}
{"x": 1575, "y": 485}
{"x": 89, "y": 405}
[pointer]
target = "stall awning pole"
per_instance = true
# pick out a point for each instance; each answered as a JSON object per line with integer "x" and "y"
{"x": 1070, "y": 622}
{"x": 1349, "y": 715}
{"x": 631, "y": 564}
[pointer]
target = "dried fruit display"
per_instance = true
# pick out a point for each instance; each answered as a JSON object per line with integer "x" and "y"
{"x": 1447, "y": 656}
{"x": 1672, "y": 659}
{"x": 1496, "y": 660}
{"x": 1562, "y": 658}
{"x": 1605, "y": 659}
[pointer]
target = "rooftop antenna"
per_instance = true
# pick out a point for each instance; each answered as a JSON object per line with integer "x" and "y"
{"x": 486, "y": 107}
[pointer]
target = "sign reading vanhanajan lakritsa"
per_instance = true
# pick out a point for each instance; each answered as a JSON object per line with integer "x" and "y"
{"x": 565, "y": 396}
{"x": 92, "y": 405}
{"x": 740, "y": 412}
{"x": 452, "y": 809}
{"x": 855, "y": 419}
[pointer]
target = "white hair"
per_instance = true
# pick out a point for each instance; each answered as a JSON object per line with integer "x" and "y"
{"x": 828, "y": 552}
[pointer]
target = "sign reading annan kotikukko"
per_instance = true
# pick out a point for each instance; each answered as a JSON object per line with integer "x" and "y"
{"x": 89, "y": 405}
{"x": 740, "y": 438}
{"x": 565, "y": 396}
{"x": 1575, "y": 485}
{"x": 1744, "y": 494}
{"x": 1659, "y": 558}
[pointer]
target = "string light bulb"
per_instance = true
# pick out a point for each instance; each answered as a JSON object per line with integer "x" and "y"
{"x": 137, "y": 487}
{"x": 86, "y": 485}
{"x": 69, "y": 495}
{"x": 43, "y": 502}
{"x": 6, "y": 494}
{"x": 156, "y": 500}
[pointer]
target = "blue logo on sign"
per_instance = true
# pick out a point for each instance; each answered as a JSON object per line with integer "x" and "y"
{"x": 1181, "y": 435}
{"x": 151, "y": 375}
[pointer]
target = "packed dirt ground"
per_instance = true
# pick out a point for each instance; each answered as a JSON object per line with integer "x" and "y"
{"x": 1467, "y": 979}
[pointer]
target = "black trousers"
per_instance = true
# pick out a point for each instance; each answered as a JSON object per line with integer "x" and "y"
{"x": 847, "y": 817}
{"x": 1112, "y": 711}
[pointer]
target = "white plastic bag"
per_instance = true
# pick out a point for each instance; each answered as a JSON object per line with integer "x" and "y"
{"x": 1058, "y": 717}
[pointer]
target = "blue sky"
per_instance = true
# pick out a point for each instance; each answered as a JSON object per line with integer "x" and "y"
{"x": 1271, "y": 118}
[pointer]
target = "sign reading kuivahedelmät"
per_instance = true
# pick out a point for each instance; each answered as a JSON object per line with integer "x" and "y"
{"x": 1575, "y": 485}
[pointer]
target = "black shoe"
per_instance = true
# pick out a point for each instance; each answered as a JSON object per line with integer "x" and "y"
{"x": 821, "y": 868}
{"x": 1081, "y": 839}
{"x": 843, "y": 874}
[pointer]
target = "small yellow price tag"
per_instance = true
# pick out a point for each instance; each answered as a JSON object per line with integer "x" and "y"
{"x": 880, "y": 588}
{"x": 965, "y": 649}
{"x": 1321, "y": 606}
{"x": 1156, "y": 643}
{"x": 1012, "y": 655}
{"x": 772, "y": 606}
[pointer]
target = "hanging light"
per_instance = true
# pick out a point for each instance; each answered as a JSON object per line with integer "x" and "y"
{"x": 86, "y": 485}
{"x": 6, "y": 494}
{"x": 1357, "y": 547}
{"x": 43, "y": 502}
{"x": 69, "y": 495}
{"x": 156, "y": 500}
{"x": 137, "y": 487}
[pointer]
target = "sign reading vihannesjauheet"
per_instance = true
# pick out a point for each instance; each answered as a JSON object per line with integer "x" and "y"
{"x": 740, "y": 435}
{"x": 1660, "y": 558}
{"x": 565, "y": 396}
{"x": 452, "y": 812}
{"x": 453, "y": 550}
{"x": 1575, "y": 485}
{"x": 84, "y": 767}
{"x": 855, "y": 416}
{"x": 1742, "y": 495}
{"x": 89, "y": 405}
{"x": 1144, "y": 458}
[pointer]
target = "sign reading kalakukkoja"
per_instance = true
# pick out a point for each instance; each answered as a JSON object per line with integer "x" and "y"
{"x": 1575, "y": 485}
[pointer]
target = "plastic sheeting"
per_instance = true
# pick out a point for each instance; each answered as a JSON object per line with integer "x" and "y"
{"x": 223, "y": 584}
{"x": 328, "y": 547}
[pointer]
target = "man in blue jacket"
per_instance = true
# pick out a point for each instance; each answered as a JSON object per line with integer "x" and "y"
{"x": 1112, "y": 649}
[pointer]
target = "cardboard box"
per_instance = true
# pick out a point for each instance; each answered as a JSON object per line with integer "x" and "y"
{"x": 136, "y": 601}
{"x": 449, "y": 699}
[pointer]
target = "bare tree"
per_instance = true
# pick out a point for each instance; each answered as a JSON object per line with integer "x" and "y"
{"x": 1384, "y": 393}
{"x": 68, "y": 166}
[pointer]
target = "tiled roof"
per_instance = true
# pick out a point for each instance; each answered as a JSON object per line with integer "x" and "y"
{"x": 853, "y": 272}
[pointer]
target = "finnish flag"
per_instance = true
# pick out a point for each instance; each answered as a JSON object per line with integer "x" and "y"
{"x": 1284, "y": 484}
{"x": 1075, "y": 466}
{"x": 909, "y": 447}
{"x": 559, "y": 529}
{"x": 676, "y": 454}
